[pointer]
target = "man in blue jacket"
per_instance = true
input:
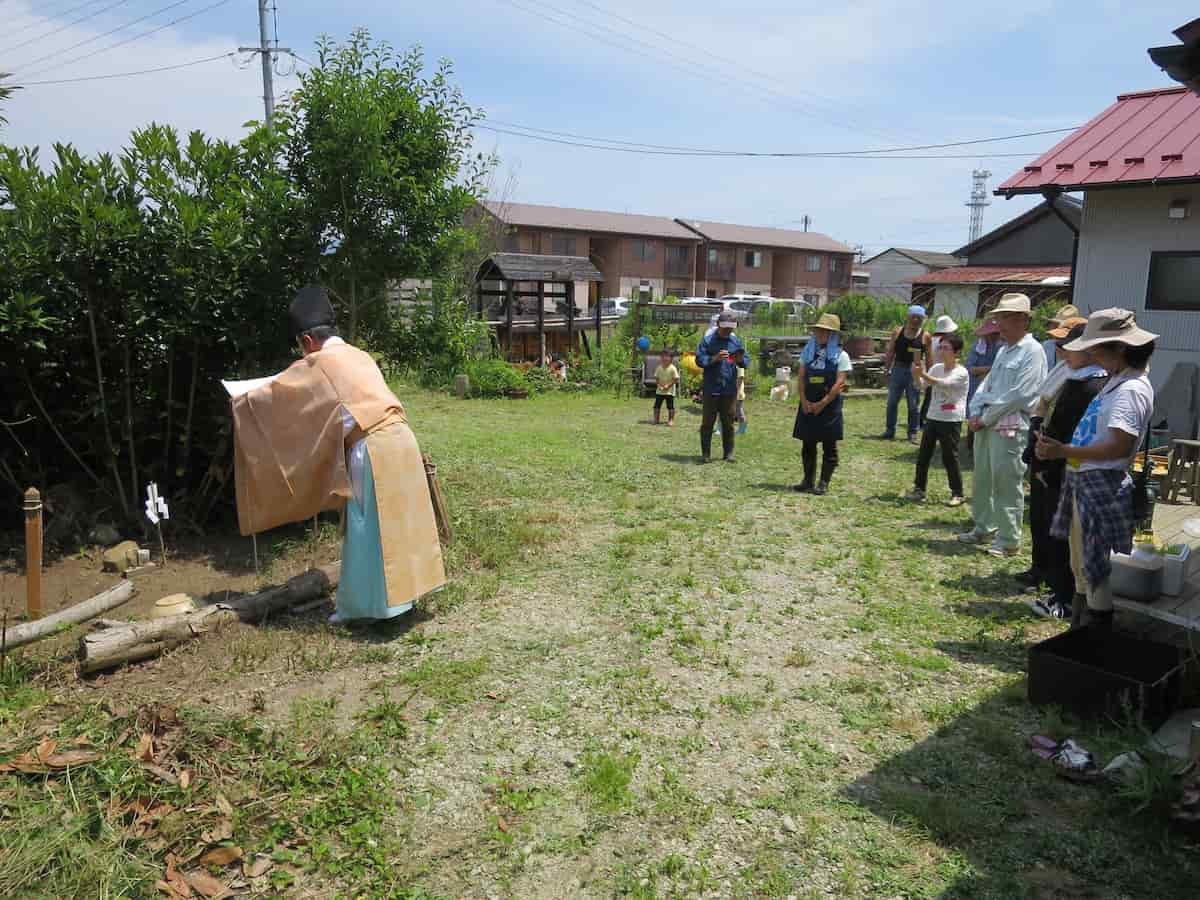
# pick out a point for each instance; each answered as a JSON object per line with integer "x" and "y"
{"x": 715, "y": 356}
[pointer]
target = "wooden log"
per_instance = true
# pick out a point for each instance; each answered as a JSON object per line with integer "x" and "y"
{"x": 73, "y": 615}
{"x": 136, "y": 641}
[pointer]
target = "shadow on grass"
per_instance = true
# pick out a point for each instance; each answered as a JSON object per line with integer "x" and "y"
{"x": 1007, "y": 655}
{"x": 992, "y": 584}
{"x": 682, "y": 459}
{"x": 1004, "y": 611}
{"x": 976, "y": 790}
{"x": 942, "y": 546}
{"x": 771, "y": 486}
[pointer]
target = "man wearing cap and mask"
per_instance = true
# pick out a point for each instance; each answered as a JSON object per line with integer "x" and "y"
{"x": 715, "y": 356}
{"x": 328, "y": 433}
{"x": 999, "y": 415}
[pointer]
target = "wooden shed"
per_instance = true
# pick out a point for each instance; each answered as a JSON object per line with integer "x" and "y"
{"x": 525, "y": 297}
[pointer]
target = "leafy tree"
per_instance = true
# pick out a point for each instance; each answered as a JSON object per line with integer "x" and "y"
{"x": 380, "y": 157}
{"x": 6, "y": 92}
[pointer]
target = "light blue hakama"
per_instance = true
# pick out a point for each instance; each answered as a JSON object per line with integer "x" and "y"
{"x": 362, "y": 592}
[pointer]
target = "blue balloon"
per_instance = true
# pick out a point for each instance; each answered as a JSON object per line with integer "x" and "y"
{"x": 643, "y": 343}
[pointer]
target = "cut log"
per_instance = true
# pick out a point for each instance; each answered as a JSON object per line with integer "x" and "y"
{"x": 136, "y": 641}
{"x": 73, "y": 615}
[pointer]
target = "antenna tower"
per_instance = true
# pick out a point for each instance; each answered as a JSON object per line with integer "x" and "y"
{"x": 979, "y": 200}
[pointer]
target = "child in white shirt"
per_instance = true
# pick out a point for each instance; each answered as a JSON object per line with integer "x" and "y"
{"x": 949, "y": 381}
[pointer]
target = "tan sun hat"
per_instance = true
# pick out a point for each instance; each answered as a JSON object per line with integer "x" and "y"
{"x": 1012, "y": 303}
{"x": 1065, "y": 326}
{"x": 829, "y": 322}
{"x": 1070, "y": 311}
{"x": 1111, "y": 325}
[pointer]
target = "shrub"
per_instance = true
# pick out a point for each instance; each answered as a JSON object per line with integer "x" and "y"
{"x": 494, "y": 378}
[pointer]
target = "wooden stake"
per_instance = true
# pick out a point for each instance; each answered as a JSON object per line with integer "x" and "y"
{"x": 254, "y": 541}
{"x": 33, "y": 553}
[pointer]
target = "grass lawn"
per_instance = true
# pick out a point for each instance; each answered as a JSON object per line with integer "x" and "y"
{"x": 648, "y": 679}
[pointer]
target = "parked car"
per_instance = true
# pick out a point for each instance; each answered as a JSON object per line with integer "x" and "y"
{"x": 738, "y": 313}
{"x": 615, "y": 306}
{"x": 754, "y": 305}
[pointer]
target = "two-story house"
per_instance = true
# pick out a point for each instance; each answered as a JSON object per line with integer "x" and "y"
{"x": 651, "y": 257}
{"x": 743, "y": 259}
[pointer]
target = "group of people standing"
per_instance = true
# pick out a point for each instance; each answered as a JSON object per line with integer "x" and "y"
{"x": 1070, "y": 413}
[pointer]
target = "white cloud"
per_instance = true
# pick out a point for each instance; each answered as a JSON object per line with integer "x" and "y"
{"x": 215, "y": 97}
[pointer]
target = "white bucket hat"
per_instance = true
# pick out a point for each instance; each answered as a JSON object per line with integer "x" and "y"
{"x": 1111, "y": 325}
{"x": 945, "y": 325}
{"x": 1012, "y": 303}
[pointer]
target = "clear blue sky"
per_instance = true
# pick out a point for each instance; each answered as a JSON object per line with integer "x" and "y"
{"x": 791, "y": 75}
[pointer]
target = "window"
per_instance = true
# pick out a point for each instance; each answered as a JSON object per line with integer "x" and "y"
{"x": 562, "y": 245}
{"x": 1174, "y": 281}
{"x": 643, "y": 250}
{"x": 677, "y": 255}
{"x": 812, "y": 299}
{"x": 712, "y": 258}
{"x": 813, "y": 264}
{"x": 834, "y": 263}
{"x": 711, "y": 293}
{"x": 753, "y": 259}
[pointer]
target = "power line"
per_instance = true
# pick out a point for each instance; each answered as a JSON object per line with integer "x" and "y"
{"x": 40, "y": 17}
{"x": 136, "y": 37}
{"x": 194, "y": 62}
{"x": 716, "y": 152}
{"x": 54, "y": 31}
{"x": 105, "y": 34}
{"x": 739, "y": 66}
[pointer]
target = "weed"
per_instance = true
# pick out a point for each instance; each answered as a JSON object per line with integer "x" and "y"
{"x": 606, "y": 778}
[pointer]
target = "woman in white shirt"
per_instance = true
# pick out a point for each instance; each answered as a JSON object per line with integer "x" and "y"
{"x": 948, "y": 381}
{"x": 1095, "y": 513}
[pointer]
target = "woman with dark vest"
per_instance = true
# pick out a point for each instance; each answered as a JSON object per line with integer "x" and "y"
{"x": 908, "y": 343}
{"x": 824, "y": 366}
{"x": 1064, "y": 397}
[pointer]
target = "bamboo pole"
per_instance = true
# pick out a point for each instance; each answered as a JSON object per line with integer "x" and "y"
{"x": 33, "y": 554}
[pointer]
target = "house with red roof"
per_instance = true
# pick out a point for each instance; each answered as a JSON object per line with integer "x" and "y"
{"x": 1031, "y": 253}
{"x": 1137, "y": 164}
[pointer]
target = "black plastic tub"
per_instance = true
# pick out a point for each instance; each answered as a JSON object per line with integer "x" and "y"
{"x": 1094, "y": 671}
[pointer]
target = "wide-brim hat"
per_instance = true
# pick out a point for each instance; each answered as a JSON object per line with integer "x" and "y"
{"x": 829, "y": 322}
{"x": 945, "y": 325}
{"x": 1011, "y": 304}
{"x": 1065, "y": 327}
{"x": 988, "y": 328}
{"x": 1070, "y": 311}
{"x": 1075, "y": 333}
{"x": 1113, "y": 325}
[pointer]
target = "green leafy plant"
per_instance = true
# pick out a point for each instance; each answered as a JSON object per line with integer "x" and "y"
{"x": 494, "y": 378}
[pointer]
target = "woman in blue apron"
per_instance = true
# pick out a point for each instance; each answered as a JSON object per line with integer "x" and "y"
{"x": 824, "y": 366}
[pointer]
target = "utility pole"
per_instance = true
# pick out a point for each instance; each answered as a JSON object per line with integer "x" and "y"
{"x": 267, "y": 55}
{"x": 979, "y": 200}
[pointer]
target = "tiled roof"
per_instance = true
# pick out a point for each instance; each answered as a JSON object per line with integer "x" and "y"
{"x": 535, "y": 216}
{"x": 995, "y": 275}
{"x": 536, "y": 267}
{"x": 1150, "y": 136}
{"x": 756, "y": 236}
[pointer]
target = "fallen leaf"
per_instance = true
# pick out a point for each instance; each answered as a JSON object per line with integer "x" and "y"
{"x": 171, "y": 892}
{"x": 212, "y": 888}
{"x": 185, "y": 778}
{"x": 221, "y": 856}
{"x": 175, "y": 880}
{"x": 145, "y": 748}
{"x": 492, "y": 695}
{"x": 71, "y": 758}
{"x": 224, "y": 806}
{"x": 222, "y": 831}
{"x": 45, "y": 748}
{"x": 160, "y": 773}
{"x": 501, "y": 824}
{"x": 260, "y": 867}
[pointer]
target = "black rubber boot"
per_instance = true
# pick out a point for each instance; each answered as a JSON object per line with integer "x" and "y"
{"x": 727, "y": 444}
{"x": 705, "y": 446}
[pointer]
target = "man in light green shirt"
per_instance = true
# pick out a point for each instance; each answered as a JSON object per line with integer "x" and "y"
{"x": 999, "y": 417}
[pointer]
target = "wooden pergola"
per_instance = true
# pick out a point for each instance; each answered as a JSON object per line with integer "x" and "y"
{"x": 523, "y": 276}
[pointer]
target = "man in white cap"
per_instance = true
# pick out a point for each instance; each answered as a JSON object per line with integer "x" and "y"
{"x": 998, "y": 415}
{"x": 715, "y": 356}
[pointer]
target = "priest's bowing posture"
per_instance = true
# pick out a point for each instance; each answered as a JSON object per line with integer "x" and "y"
{"x": 328, "y": 433}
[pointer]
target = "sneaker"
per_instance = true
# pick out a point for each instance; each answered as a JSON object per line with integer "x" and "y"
{"x": 821, "y": 488}
{"x": 914, "y": 439}
{"x": 956, "y": 501}
{"x": 804, "y": 487}
{"x": 1048, "y": 608}
{"x": 729, "y": 458}
{"x": 972, "y": 537}
{"x": 1002, "y": 552}
{"x": 705, "y": 459}
{"x": 916, "y": 495}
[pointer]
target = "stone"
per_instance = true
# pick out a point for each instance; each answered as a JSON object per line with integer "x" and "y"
{"x": 104, "y": 534}
{"x": 788, "y": 825}
{"x": 121, "y": 558}
{"x": 462, "y": 386}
